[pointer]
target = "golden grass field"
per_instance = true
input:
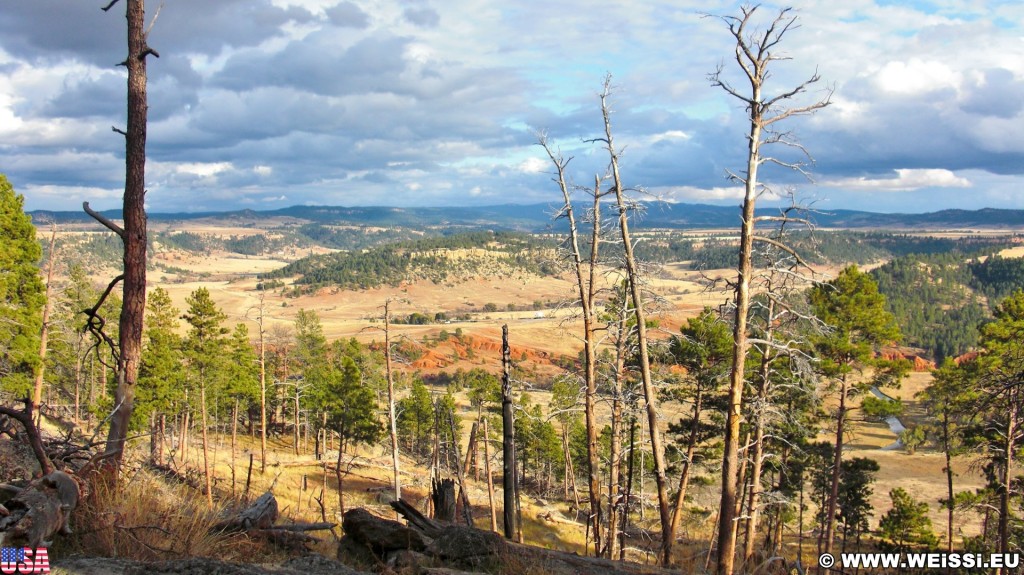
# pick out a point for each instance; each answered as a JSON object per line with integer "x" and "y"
{"x": 541, "y": 334}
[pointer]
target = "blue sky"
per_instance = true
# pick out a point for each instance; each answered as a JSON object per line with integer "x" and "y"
{"x": 268, "y": 103}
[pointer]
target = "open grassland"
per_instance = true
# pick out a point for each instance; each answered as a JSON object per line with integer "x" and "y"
{"x": 543, "y": 329}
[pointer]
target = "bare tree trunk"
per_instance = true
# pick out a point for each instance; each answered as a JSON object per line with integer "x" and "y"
{"x": 44, "y": 334}
{"x": 633, "y": 275}
{"x": 183, "y": 436}
{"x": 754, "y": 494}
{"x": 837, "y": 461}
{"x": 467, "y": 509}
{"x": 339, "y": 477}
{"x": 78, "y": 388}
{"x": 587, "y": 286}
{"x": 392, "y": 418}
{"x": 950, "y": 502}
{"x": 467, "y": 463}
{"x": 490, "y": 480}
{"x": 753, "y": 54}
{"x": 234, "y": 437}
{"x": 508, "y": 445}
{"x": 263, "y": 390}
{"x": 206, "y": 446}
{"x": 1005, "y": 489}
{"x": 684, "y": 475}
{"x": 162, "y": 432}
{"x": 133, "y": 235}
{"x": 615, "y": 458}
{"x": 296, "y": 429}
{"x": 629, "y": 489}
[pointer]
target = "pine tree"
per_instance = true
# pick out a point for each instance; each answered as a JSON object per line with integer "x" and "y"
{"x": 907, "y": 523}
{"x": 160, "y": 374}
{"x": 21, "y": 294}
{"x": 859, "y": 324}
{"x": 205, "y": 351}
{"x": 351, "y": 410}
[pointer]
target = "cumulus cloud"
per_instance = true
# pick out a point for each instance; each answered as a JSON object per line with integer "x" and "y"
{"x": 418, "y": 102}
{"x": 905, "y": 180}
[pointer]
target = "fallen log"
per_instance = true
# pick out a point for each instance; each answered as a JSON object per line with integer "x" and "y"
{"x": 40, "y": 511}
{"x": 306, "y": 526}
{"x": 381, "y": 535}
{"x": 417, "y": 520}
{"x": 260, "y": 515}
{"x": 463, "y": 546}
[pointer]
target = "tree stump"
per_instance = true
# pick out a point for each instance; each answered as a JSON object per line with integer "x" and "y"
{"x": 442, "y": 493}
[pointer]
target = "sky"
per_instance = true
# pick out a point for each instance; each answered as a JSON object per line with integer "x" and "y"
{"x": 264, "y": 104}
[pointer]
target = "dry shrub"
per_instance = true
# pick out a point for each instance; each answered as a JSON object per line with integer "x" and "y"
{"x": 147, "y": 520}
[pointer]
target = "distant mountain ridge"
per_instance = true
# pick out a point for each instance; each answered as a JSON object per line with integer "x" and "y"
{"x": 538, "y": 217}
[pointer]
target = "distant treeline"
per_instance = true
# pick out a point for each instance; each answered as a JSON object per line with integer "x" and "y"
{"x": 940, "y": 299}
{"x": 819, "y": 247}
{"x": 426, "y": 258}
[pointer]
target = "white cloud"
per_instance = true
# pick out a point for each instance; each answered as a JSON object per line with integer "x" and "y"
{"x": 533, "y": 166}
{"x": 906, "y": 180}
{"x": 917, "y": 76}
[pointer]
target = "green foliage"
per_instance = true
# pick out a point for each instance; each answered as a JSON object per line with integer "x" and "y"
{"x": 310, "y": 342}
{"x": 881, "y": 408}
{"x": 420, "y": 259}
{"x": 186, "y": 241}
{"x": 932, "y": 301}
{"x": 243, "y": 376}
{"x": 907, "y": 523}
{"x": 350, "y": 406}
{"x": 704, "y": 349}
{"x": 854, "y": 495}
{"x": 997, "y": 277}
{"x": 415, "y": 420}
{"x": 21, "y": 294}
{"x": 205, "y": 343}
{"x": 161, "y": 379}
{"x": 859, "y": 324}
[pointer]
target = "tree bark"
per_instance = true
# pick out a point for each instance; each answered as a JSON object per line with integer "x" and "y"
{"x": 490, "y": 480}
{"x": 392, "y": 418}
{"x": 206, "y": 447}
{"x": 586, "y": 284}
{"x": 837, "y": 461}
{"x": 684, "y": 475}
{"x": 633, "y": 275}
{"x": 44, "y": 334}
{"x": 508, "y": 445}
{"x": 133, "y": 235}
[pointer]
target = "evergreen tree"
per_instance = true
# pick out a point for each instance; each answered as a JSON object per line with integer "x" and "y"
{"x": 21, "y": 294}
{"x": 415, "y": 419}
{"x": 351, "y": 411}
{"x": 859, "y": 325}
{"x": 907, "y": 523}
{"x": 997, "y": 376}
{"x": 205, "y": 350}
{"x": 704, "y": 349}
{"x": 161, "y": 378}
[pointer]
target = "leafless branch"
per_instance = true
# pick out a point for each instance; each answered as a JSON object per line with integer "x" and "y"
{"x": 103, "y": 219}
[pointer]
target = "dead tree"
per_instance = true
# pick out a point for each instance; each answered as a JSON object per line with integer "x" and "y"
{"x": 37, "y": 392}
{"x": 133, "y": 234}
{"x": 508, "y": 444}
{"x": 392, "y": 418}
{"x": 639, "y": 314}
{"x": 754, "y": 55}
{"x": 586, "y": 284}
